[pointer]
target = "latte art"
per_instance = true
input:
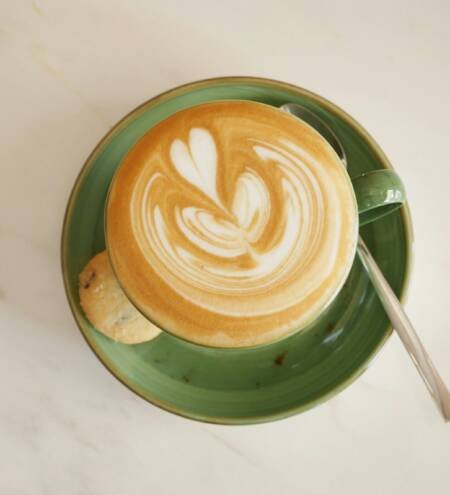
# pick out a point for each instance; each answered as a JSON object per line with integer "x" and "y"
{"x": 220, "y": 247}
{"x": 231, "y": 224}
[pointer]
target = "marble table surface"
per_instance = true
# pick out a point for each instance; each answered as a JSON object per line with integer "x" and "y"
{"x": 69, "y": 71}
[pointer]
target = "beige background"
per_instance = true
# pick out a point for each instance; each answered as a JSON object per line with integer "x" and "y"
{"x": 69, "y": 71}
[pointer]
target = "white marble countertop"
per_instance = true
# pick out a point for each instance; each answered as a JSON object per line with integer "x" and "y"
{"x": 70, "y": 70}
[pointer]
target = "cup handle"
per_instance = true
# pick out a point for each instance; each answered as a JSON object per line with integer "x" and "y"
{"x": 378, "y": 193}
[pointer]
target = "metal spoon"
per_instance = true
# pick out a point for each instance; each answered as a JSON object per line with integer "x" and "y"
{"x": 391, "y": 304}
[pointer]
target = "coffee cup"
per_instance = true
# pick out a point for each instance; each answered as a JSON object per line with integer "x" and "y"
{"x": 232, "y": 224}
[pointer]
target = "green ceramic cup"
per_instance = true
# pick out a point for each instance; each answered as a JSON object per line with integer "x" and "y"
{"x": 260, "y": 384}
{"x": 377, "y": 193}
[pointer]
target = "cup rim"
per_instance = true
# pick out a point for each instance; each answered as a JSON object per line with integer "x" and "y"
{"x": 139, "y": 109}
{"x": 312, "y": 318}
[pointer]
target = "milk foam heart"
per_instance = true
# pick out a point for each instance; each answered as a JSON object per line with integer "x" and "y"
{"x": 231, "y": 224}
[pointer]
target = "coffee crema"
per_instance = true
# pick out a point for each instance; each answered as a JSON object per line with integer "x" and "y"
{"x": 231, "y": 224}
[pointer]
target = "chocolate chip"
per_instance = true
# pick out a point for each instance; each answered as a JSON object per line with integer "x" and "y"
{"x": 88, "y": 282}
{"x": 124, "y": 317}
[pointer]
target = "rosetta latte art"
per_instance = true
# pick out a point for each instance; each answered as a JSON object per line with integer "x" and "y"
{"x": 243, "y": 225}
{"x": 222, "y": 247}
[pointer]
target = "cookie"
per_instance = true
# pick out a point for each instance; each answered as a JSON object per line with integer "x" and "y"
{"x": 107, "y": 307}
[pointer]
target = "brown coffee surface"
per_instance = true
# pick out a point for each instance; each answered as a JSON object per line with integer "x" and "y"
{"x": 231, "y": 224}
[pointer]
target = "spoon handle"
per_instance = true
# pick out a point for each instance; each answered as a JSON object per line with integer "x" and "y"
{"x": 406, "y": 332}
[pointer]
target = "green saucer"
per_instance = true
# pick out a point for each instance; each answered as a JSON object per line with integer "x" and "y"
{"x": 249, "y": 385}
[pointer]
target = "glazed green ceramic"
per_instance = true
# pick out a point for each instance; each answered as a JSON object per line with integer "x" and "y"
{"x": 247, "y": 385}
{"x": 378, "y": 193}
